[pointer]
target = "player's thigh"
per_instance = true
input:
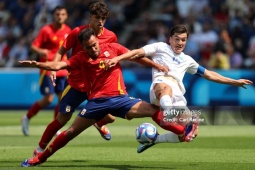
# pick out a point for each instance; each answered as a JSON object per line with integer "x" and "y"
{"x": 46, "y": 87}
{"x": 70, "y": 100}
{"x": 142, "y": 109}
{"x": 96, "y": 109}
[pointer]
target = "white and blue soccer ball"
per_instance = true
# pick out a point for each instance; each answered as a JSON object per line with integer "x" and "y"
{"x": 146, "y": 133}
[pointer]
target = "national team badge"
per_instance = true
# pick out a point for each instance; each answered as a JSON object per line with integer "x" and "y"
{"x": 83, "y": 111}
{"x": 106, "y": 54}
{"x": 68, "y": 108}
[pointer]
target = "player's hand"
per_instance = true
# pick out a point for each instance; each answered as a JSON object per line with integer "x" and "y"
{"x": 53, "y": 77}
{"x": 242, "y": 82}
{"x": 163, "y": 69}
{"x": 110, "y": 63}
{"x": 28, "y": 63}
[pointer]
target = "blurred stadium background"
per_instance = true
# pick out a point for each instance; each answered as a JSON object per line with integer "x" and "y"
{"x": 222, "y": 38}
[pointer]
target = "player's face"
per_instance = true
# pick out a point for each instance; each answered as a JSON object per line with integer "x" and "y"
{"x": 92, "y": 47}
{"x": 60, "y": 16}
{"x": 178, "y": 42}
{"x": 96, "y": 22}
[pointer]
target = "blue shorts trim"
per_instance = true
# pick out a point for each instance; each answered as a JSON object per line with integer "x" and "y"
{"x": 71, "y": 99}
{"x": 117, "y": 106}
{"x": 46, "y": 86}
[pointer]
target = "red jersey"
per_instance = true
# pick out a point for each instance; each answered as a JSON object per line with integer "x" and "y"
{"x": 51, "y": 39}
{"x": 102, "y": 83}
{"x": 72, "y": 42}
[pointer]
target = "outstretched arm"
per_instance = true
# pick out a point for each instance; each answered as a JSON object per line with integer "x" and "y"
{"x": 52, "y": 65}
{"x": 136, "y": 55}
{"x": 147, "y": 62}
{"x": 127, "y": 56}
{"x": 215, "y": 77}
{"x": 58, "y": 56}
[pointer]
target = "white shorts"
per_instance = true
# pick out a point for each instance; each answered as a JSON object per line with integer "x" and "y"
{"x": 177, "y": 95}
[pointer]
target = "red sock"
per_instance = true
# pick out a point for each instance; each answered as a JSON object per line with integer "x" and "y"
{"x": 158, "y": 117}
{"x": 49, "y": 132}
{"x": 101, "y": 122}
{"x": 56, "y": 111}
{"x": 60, "y": 141}
{"x": 33, "y": 110}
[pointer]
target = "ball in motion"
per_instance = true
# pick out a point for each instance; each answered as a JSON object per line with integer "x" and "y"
{"x": 146, "y": 133}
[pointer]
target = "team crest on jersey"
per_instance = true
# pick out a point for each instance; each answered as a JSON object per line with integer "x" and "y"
{"x": 83, "y": 111}
{"x": 68, "y": 108}
{"x": 106, "y": 54}
{"x": 175, "y": 59}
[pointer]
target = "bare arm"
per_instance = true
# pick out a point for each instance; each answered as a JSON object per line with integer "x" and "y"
{"x": 40, "y": 51}
{"x": 52, "y": 65}
{"x": 58, "y": 57}
{"x": 127, "y": 56}
{"x": 147, "y": 62}
{"x": 215, "y": 77}
{"x": 61, "y": 52}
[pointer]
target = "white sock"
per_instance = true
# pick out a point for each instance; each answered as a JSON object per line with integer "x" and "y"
{"x": 39, "y": 149}
{"x": 166, "y": 102}
{"x": 168, "y": 138}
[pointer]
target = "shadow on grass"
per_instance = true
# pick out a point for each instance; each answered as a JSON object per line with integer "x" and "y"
{"x": 86, "y": 165}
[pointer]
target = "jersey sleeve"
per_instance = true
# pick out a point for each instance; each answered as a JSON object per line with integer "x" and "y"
{"x": 41, "y": 38}
{"x": 152, "y": 49}
{"x": 115, "y": 39}
{"x": 71, "y": 39}
{"x": 119, "y": 49}
{"x": 195, "y": 68}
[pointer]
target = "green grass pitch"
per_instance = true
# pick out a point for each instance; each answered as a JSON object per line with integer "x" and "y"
{"x": 216, "y": 147}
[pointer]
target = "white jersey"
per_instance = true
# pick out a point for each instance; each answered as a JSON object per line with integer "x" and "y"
{"x": 178, "y": 64}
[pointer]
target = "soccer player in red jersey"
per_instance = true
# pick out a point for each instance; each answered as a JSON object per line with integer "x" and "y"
{"x": 75, "y": 92}
{"x": 107, "y": 91}
{"x": 46, "y": 44}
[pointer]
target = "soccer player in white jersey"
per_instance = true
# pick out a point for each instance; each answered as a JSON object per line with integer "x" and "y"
{"x": 167, "y": 90}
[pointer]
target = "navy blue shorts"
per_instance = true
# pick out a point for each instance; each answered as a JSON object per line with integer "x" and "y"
{"x": 46, "y": 86}
{"x": 117, "y": 106}
{"x": 71, "y": 99}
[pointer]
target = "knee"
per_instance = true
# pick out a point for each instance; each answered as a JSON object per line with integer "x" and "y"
{"x": 63, "y": 118}
{"x": 70, "y": 133}
{"x": 109, "y": 118}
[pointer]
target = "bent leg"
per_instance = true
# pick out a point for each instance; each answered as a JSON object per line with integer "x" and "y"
{"x": 144, "y": 109}
{"x": 62, "y": 139}
{"x": 52, "y": 129}
{"x": 163, "y": 93}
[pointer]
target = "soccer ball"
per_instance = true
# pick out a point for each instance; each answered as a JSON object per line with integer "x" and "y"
{"x": 146, "y": 133}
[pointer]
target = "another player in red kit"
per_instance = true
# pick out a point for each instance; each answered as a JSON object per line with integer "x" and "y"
{"x": 75, "y": 92}
{"x": 46, "y": 44}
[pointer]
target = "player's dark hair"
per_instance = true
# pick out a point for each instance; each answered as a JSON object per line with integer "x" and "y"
{"x": 58, "y": 8}
{"x": 85, "y": 34}
{"x": 179, "y": 29}
{"x": 99, "y": 9}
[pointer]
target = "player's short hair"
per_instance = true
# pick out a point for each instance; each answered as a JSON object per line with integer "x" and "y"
{"x": 180, "y": 29}
{"x": 85, "y": 34}
{"x": 99, "y": 9}
{"x": 59, "y": 7}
